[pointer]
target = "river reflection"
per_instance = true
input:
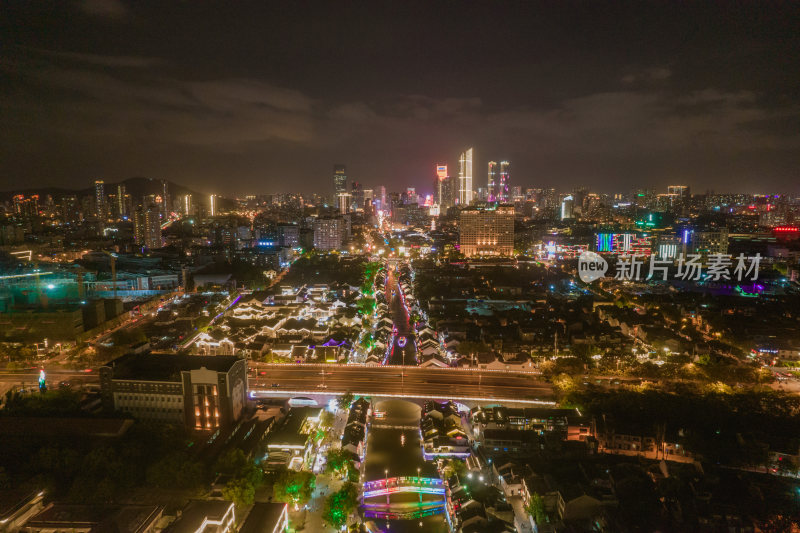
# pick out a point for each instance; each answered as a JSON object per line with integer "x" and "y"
{"x": 394, "y": 451}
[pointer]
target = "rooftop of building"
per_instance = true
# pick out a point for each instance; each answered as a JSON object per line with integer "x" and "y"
{"x": 196, "y": 512}
{"x": 127, "y": 518}
{"x": 264, "y": 517}
{"x": 167, "y": 367}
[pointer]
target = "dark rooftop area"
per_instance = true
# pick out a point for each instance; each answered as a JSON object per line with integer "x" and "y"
{"x": 167, "y": 367}
{"x": 263, "y": 517}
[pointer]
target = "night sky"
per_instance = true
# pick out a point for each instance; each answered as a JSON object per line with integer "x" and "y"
{"x": 235, "y": 97}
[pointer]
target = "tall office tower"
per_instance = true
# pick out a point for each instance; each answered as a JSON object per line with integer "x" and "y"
{"x": 486, "y": 230}
{"x": 147, "y": 228}
{"x": 411, "y": 196}
{"x": 344, "y": 200}
{"x": 328, "y": 233}
{"x": 438, "y": 181}
{"x": 550, "y": 198}
{"x": 357, "y": 196}
{"x": 449, "y": 193}
{"x": 465, "y": 178}
{"x": 491, "y": 182}
{"x": 503, "y": 192}
{"x": 122, "y": 208}
{"x": 380, "y": 196}
{"x": 339, "y": 179}
{"x": 568, "y": 207}
{"x": 212, "y": 202}
{"x": 187, "y": 204}
{"x": 100, "y": 199}
{"x": 367, "y": 202}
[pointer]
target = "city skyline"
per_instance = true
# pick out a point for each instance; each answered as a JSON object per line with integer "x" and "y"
{"x": 243, "y": 107}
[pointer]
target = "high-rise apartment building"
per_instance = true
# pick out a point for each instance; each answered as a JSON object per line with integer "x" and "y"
{"x": 328, "y": 233}
{"x": 166, "y": 205}
{"x": 121, "y": 207}
{"x": 345, "y": 201}
{"x": 147, "y": 228}
{"x": 449, "y": 193}
{"x": 487, "y": 231}
{"x": 100, "y": 199}
{"x": 491, "y": 182}
{"x": 288, "y": 235}
{"x": 465, "y": 178}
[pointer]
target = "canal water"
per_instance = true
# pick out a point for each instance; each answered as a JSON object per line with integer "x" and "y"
{"x": 394, "y": 450}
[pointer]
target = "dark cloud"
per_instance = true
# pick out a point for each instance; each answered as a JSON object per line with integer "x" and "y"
{"x": 261, "y": 97}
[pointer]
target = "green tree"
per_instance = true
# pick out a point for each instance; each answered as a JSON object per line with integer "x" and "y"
{"x": 340, "y": 504}
{"x": 454, "y": 467}
{"x": 232, "y": 462}
{"x": 345, "y": 400}
{"x": 240, "y": 491}
{"x": 326, "y": 419}
{"x": 294, "y": 487}
{"x": 536, "y": 509}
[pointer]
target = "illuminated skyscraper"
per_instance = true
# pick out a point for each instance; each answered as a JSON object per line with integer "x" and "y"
{"x": 380, "y": 196}
{"x": 439, "y": 184}
{"x": 147, "y": 228}
{"x": 166, "y": 205}
{"x": 503, "y": 195}
{"x": 100, "y": 199}
{"x": 567, "y": 207}
{"x": 357, "y": 196}
{"x": 187, "y": 204}
{"x": 339, "y": 179}
{"x": 122, "y": 210}
{"x": 213, "y": 204}
{"x": 491, "y": 192}
{"x": 344, "y": 200}
{"x": 465, "y": 178}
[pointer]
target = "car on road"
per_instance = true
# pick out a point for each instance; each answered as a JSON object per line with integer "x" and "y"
{"x": 322, "y": 386}
{"x": 275, "y": 385}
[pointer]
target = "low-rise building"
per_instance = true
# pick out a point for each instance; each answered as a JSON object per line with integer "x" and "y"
{"x": 203, "y": 393}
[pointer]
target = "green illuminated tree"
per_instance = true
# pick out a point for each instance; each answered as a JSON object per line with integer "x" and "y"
{"x": 340, "y": 504}
{"x": 294, "y": 487}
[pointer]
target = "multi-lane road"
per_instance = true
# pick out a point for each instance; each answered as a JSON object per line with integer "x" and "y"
{"x": 407, "y": 381}
{"x": 373, "y": 380}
